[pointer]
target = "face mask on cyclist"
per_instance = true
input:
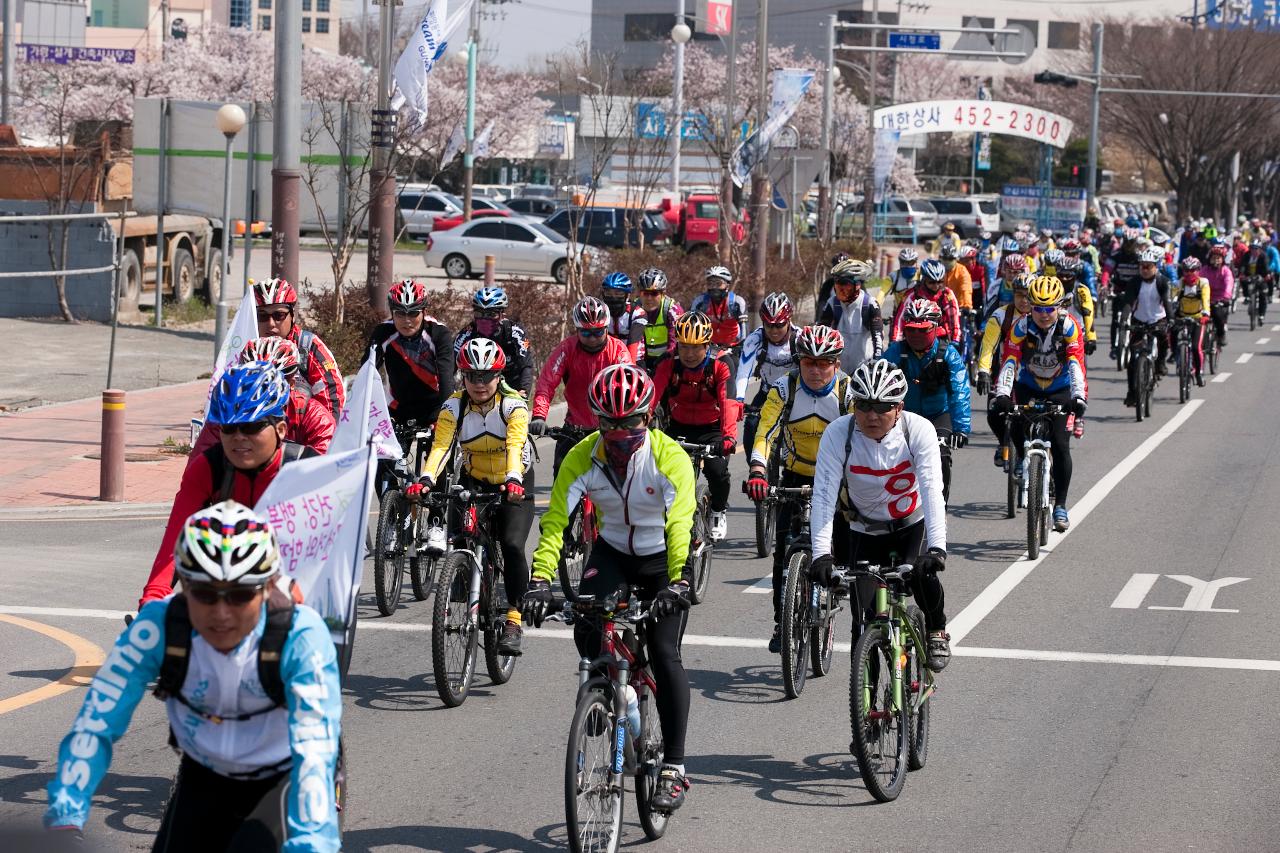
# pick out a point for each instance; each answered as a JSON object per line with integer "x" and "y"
{"x": 919, "y": 339}
{"x": 717, "y": 294}
{"x": 487, "y": 326}
{"x": 621, "y": 444}
{"x": 615, "y": 299}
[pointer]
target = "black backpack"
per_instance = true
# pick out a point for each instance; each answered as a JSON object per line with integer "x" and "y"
{"x": 177, "y": 653}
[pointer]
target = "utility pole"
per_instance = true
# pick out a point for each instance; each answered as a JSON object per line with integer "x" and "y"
{"x": 286, "y": 167}
{"x": 164, "y": 29}
{"x": 468, "y": 156}
{"x": 680, "y": 33}
{"x": 760, "y": 180}
{"x": 731, "y": 135}
{"x": 1091, "y": 177}
{"x": 868, "y": 195}
{"x": 382, "y": 182}
{"x": 824, "y": 181}
{"x": 8, "y": 58}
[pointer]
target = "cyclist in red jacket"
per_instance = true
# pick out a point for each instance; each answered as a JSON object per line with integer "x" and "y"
{"x": 694, "y": 388}
{"x": 575, "y": 361}
{"x": 277, "y": 315}
{"x": 931, "y": 287}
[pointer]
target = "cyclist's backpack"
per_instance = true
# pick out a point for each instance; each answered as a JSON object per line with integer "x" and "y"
{"x": 935, "y": 375}
{"x": 177, "y": 652}
{"x": 708, "y": 380}
{"x": 223, "y": 475}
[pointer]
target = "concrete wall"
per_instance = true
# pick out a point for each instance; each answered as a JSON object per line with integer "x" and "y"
{"x": 25, "y": 246}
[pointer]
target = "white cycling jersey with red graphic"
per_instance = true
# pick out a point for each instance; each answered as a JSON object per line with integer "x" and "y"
{"x": 891, "y": 480}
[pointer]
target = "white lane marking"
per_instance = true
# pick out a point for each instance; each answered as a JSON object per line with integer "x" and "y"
{"x": 1244, "y": 357}
{"x": 1275, "y": 328}
{"x": 1016, "y": 573}
{"x": 764, "y": 585}
{"x": 1135, "y": 591}
{"x": 1262, "y": 341}
{"x": 1221, "y": 377}
{"x": 1135, "y": 660}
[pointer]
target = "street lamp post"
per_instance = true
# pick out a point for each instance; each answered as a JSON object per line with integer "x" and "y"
{"x": 229, "y": 120}
{"x": 680, "y": 34}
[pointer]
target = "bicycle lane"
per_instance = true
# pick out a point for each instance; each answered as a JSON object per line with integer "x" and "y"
{"x": 1152, "y": 610}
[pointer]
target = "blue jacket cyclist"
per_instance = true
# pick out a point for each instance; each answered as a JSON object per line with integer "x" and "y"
{"x": 258, "y": 733}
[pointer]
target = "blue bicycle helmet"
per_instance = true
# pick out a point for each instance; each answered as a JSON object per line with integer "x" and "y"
{"x": 247, "y": 393}
{"x": 617, "y": 281}
{"x": 489, "y": 298}
{"x": 933, "y": 270}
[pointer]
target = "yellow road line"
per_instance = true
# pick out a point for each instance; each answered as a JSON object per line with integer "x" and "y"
{"x": 88, "y": 658}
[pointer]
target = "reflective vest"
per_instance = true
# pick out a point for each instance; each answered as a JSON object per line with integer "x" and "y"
{"x": 656, "y": 333}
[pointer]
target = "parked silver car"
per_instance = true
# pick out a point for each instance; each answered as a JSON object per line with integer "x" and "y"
{"x": 519, "y": 248}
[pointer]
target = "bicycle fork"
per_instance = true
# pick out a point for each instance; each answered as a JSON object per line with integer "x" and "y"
{"x": 1035, "y": 447}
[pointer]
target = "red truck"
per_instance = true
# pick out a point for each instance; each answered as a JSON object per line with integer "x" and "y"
{"x": 695, "y": 224}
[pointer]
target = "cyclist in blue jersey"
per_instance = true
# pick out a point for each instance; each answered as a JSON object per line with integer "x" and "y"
{"x": 250, "y": 684}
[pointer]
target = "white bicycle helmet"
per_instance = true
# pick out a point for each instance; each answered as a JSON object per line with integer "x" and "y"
{"x": 1151, "y": 255}
{"x": 228, "y": 543}
{"x": 879, "y": 381}
{"x": 853, "y": 270}
{"x": 481, "y": 354}
{"x": 721, "y": 273}
{"x": 908, "y": 256}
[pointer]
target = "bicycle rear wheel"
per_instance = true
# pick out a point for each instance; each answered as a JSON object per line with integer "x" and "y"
{"x": 822, "y": 635}
{"x": 1148, "y": 386}
{"x": 1035, "y": 503}
{"x": 1139, "y": 385}
{"x": 493, "y": 607}
{"x": 592, "y": 803}
{"x": 1184, "y": 373}
{"x": 913, "y": 687}
{"x": 795, "y": 624}
{"x": 880, "y": 732}
{"x": 453, "y": 633}
{"x": 391, "y": 549}
{"x": 649, "y": 753}
{"x": 573, "y": 556}
{"x": 1211, "y": 353}
{"x": 699, "y": 570}
{"x": 1011, "y": 480}
{"x": 766, "y": 525}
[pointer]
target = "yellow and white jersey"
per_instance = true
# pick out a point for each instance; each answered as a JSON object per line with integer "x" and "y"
{"x": 494, "y": 437}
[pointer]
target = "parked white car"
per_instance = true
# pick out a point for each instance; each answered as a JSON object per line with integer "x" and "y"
{"x": 419, "y": 209}
{"x": 518, "y": 247}
{"x": 972, "y": 214}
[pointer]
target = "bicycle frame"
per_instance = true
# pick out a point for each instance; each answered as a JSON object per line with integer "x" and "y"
{"x": 891, "y": 612}
{"x": 474, "y": 541}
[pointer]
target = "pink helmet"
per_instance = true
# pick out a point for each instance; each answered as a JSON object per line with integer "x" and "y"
{"x": 620, "y": 391}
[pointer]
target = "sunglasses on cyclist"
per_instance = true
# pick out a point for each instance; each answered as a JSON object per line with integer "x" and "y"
{"x": 651, "y": 292}
{"x": 1146, "y": 265}
{"x": 487, "y": 313}
{"x": 252, "y": 428}
{"x": 1044, "y": 309}
{"x": 781, "y": 325}
{"x": 631, "y": 422}
{"x": 591, "y": 333}
{"x": 880, "y": 408}
{"x": 276, "y": 316}
{"x": 236, "y": 596}
{"x": 480, "y": 377}
{"x": 400, "y": 312}
{"x": 807, "y": 361}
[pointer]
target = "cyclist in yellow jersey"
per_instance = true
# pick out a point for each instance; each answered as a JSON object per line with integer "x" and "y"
{"x": 1191, "y": 301}
{"x": 795, "y": 413}
{"x": 490, "y": 421}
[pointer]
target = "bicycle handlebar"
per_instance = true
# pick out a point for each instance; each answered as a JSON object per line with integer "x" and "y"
{"x": 698, "y": 449}
{"x": 902, "y": 572}
{"x": 571, "y": 433}
{"x": 791, "y": 491}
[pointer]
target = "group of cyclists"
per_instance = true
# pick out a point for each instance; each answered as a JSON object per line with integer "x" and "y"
{"x": 864, "y": 405}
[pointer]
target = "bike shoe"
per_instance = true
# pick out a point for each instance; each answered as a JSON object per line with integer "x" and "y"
{"x": 1130, "y": 400}
{"x": 775, "y": 642}
{"x": 1199, "y": 381}
{"x": 671, "y": 789}
{"x": 939, "y": 651}
{"x": 509, "y": 640}
{"x": 999, "y": 457}
{"x": 128, "y": 619}
{"x": 1060, "y": 520}
{"x": 719, "y": 525}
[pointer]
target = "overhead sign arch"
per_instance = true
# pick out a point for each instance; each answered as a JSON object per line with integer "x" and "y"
{"x": 975, "y": 116}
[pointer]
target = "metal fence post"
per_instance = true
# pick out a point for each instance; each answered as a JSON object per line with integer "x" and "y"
{"x": 111, "y": 457}
{"x": 115, "y": 301}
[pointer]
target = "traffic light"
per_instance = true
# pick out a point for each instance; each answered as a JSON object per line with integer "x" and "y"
{"x": 1052, "y": 78}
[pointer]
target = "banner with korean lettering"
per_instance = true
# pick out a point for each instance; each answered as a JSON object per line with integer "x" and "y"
{"x": 975, "y": 116}
{"x": 243, "y": 330}
{"x": 318, "y": 509}
{"x": 1057, "y": 208}
{"x": 368, "y": 396}
{"x": 884, "y": 154}
{"x": 982, "y": 141}
{"x": 789, "y": 86}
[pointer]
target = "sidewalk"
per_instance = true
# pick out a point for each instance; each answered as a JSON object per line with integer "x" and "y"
{"x": 43, "y": 450}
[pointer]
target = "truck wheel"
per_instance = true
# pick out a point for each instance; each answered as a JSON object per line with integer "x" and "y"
{"x": 130, "y": 281}
{"x": 183, "y": 276}
{"x": 213, "y": 282}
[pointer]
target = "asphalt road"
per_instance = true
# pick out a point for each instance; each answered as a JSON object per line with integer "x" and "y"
{"x": 1077, "y": 714}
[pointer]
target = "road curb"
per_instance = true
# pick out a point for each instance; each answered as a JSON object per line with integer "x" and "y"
{"x": 78, "y": 512}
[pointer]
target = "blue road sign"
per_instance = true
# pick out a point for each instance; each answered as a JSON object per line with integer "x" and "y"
{"x": 919, "y": 41}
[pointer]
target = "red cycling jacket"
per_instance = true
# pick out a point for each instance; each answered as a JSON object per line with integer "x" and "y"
{"x": 576, "y": 367}
{"x": 197, "y": 491}
{"x": 946, "y": 301}
{"x": 307, "y": 420}
{"x": 321, "y": 371}
{"x": 978, "y": 274}
{"x": 695, "y": 400}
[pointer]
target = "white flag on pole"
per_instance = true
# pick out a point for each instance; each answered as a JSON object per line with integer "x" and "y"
{"x": 457, "y": 139}
{"x": 425, "y": 48}
{"x": 354, "y": 429}
{"x": 318, "y": 509}
{"x": 480, "y": 148}
{"x": 243, "y": 330}
{"x": 789, "y": 87}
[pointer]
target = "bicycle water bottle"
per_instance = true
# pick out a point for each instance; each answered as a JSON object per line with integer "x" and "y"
{"x": 633, "y": 710}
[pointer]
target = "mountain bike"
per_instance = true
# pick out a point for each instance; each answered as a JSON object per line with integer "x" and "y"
{"x": 889, "y": 683}
{"x": 1031, "y": 470}
{"x": 1254, "y": 294}
{"x": 471, "y": 603}
{"x": 767, "y": 509}
{"x": 1121, "y": 320}
{"x": 808, "y": 630}
{"x": 698, "y": 567}
{"x": 399, "y": 538}
{"x": 969, "y": 350}
{"x": 1213, "y": 343}
{"x": 1184, "y": 330}
{"x": 580, "y": 532}
{"x": 607, "y": 741}
{"x": 1142, "y": 367}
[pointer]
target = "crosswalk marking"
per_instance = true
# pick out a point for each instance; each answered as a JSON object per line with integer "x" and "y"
{"x": 763, "y": 586}
{"x": 1244, "y": 358}
{"x": 1263, "y": 341}
{"x": 1221, "y": 377}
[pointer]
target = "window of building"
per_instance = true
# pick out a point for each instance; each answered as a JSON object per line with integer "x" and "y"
{"x": 240, "y": 14}
{"x": 306, "y": 25}
{"x": 322, "y": 25}
{"x": 322, "y": 5}
{"x": 649, "y": 27}
{"x": 264, "y": 4}
{"x": 306, "y": 5}
{"x": 1064, "y": 35}
{"x": 264, "y": 22}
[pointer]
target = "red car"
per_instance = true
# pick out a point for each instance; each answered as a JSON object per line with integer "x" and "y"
{"x": 444, "y": 223}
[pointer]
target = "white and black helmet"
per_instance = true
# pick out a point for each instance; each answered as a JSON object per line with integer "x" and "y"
{"x": 879, "y": 381}
{"x": 1151, "y": 255}
{"x": 721, "y": 273}
{"x": 226, "y": 543}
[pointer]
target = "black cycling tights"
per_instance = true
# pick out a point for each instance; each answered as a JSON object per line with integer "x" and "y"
{"x": 607, "y": 570}
{"x": 716, "y": 467}
{"x": 510, "y": 528}
{"x": 1059, "y": 438}
{"x": 906, "y": 544}
{"x": 209, "y": 813}
{"x": 783, "y": 534}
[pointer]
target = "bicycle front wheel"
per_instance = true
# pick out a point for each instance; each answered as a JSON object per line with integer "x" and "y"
{"x": 795, "y": 624}
{"x": 700, "y": 553}
{"x": 649, "y": 753}
{"x": 573, "y": 557}
{"x": 880, "y": 731}
{"x": 1035, "y": 503}
{"x": 453, "y": 632}
{"x": 391, "y": 549}
{"x": 592, "y": 802}
{"x": 914, "y": 683}
{"x": 766, "y": 524}
{"x": 1011, "y": 480}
